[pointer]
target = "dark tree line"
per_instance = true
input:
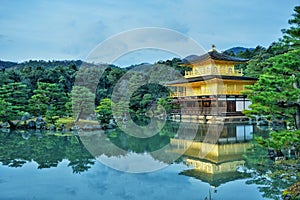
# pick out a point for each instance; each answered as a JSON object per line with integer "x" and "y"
{"x": 40, "y": 88}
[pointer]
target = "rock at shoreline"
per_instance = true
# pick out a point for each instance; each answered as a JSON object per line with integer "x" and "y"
{"x": 31, "y": 124}
{"x": 4, "y": 125}
{"x": 111, "y": 124}
{"x": 40, "y": 123}
{"x": 52, "y": 127}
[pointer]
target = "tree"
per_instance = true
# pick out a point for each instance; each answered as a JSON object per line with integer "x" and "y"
{"x": 175, "y": 64}
{"x": 290, "y": 40}
{"x": 146, "y": 86}
{"x": 67, "y": 77}
{"x": 292, "y": 35}
{"x": 104, "y": 110}
{"x": 283, "y": 140}
{"x": 276, "y": 94}
{"x": 14, "y": 102}
{"x": 38, "y": 103}
{"x": 4, "y": 79}
{"x": 270, "y": 177}
{"x": 6, "y": 111}
{"x": 136, "y": 89}
{"x": 83, "y": 102}
{"x": 256, "y": 65}
{"x": 49, "y": 100}
{"x": 165, "y": 104}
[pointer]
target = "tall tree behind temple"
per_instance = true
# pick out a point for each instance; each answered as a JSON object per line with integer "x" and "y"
{"x": 290, "y": 40}
{"x": 292, "y": 35}
{"x": 277, "y": 93}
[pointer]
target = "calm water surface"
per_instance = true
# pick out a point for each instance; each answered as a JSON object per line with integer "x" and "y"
{"x": 44, "y": 165}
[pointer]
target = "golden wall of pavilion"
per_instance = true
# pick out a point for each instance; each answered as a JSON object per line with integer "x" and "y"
{"x": 210, "y": 87}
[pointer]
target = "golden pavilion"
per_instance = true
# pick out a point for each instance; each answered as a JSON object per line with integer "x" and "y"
{"x": 213, "y": 87}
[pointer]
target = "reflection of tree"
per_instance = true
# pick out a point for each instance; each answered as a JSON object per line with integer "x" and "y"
{"x": 79, "y": 157}
{"x": 47, "y": 151}
{"x": 272, "y": 177}
{"x": 98, "y": 144}
{"x": 18, "y": 148}
{"x": 116, "y": 143}
{"x": 148, "y": 144}
{"x": 138, "y": 145}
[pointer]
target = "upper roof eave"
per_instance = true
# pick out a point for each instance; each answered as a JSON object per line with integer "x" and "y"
{"x": 209, "y": 77}
{"x": 214, "y": 55}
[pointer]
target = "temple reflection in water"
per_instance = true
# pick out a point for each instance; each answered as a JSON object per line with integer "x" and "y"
{"x": 215, "y": 152}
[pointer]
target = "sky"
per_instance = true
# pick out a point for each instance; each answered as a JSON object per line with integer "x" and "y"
{"x": 72, "y": 29}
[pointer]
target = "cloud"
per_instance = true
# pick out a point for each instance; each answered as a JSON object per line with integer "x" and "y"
{"x": 144, "y": 38}
{"x": 53, "y": 29}
{"x": 3, "y": 39}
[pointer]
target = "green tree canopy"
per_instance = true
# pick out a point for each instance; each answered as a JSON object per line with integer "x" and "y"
{"x": 83, "y": 102}
{"x": 291, "y": 40}
{"x": 104, "y": 110}
{"x": 14, "y": 102}
{"x": 292, "y": 34}
{"x": 276, "y": 94}
{"x": 48, "y": 100}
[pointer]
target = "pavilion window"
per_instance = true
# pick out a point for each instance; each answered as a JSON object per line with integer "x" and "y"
{"x": 199, "y": 103}
{"x": 247, "y": 104}
{"x": 173, "y": 88}
{"x": 207, "y": 69}
{"x": 181, "y": 90}
{"x": 222, "y": 103}
{"x": 215, "y": 70}
{"x": 206, "y": 103}
{"x": 240, "y": 104}
{"x": 213, "y": 104}
{"x": 190, "y": 104}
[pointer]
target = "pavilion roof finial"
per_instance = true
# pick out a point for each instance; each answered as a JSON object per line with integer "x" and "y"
{"x": 213, "y": 47}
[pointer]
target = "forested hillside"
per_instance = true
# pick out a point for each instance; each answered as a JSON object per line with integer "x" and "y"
{"x": 41, "y": 88}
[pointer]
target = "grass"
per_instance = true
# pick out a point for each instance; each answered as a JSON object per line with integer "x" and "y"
{"x": 69, "y": 122}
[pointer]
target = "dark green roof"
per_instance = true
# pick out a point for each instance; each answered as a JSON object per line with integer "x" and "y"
{"x": 212, "y": 55}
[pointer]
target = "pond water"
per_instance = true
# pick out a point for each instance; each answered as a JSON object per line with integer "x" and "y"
{"x": 199, "y": 164}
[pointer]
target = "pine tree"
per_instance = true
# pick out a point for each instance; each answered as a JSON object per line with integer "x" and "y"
{"x": 104, "y": 110}
{"x": 292, "y": 35}
{"x": 48, "y": 100}
{"x": 276, "y": 95}
{"x": 14, "y": 102}
{"x": 83, "y": 102}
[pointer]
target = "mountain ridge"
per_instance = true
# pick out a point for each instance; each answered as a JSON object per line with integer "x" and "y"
{"x": 236, "y": 50}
